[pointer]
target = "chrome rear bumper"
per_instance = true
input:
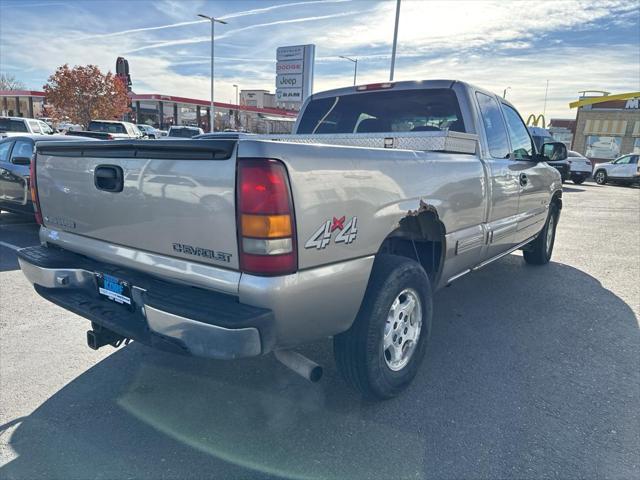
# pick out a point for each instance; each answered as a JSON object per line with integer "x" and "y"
{"x": 199, "y": 322}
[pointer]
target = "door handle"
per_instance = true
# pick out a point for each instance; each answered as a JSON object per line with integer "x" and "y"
{"x": 523, "y": 179}
{"x": 108, "y": 178}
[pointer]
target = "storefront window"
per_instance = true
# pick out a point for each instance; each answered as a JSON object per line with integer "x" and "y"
{"x": 24, "y": 107}
{"x": 167, "y": 117}
{"x": 187, "y": 115}
{"x": 38, "y": 103}
{"x": 602, "y": 147}
{"x": 12, "y": 108}
{"x": 636, "y": 145}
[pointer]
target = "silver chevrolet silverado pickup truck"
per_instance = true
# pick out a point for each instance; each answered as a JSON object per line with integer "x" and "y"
{"x": 230, "y": 248}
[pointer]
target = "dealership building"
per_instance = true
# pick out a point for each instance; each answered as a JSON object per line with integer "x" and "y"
{"x": 606, "y": 125}
{"x": 163, "y": 111}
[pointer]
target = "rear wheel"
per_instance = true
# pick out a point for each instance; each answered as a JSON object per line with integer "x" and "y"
{"x": 540, "y": 250}
{"x": 380, "y": 354}
{"x": 600, "y": 177}
{"x": 578, "y": 180}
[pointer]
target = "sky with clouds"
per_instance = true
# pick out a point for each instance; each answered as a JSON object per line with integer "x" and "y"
{"x": 576, "y": 45}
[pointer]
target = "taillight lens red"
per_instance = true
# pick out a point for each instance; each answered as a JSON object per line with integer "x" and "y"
{"x": 266, "y": 233}
{"x": 263, "y": 187}
{"x": 34, "y": 190}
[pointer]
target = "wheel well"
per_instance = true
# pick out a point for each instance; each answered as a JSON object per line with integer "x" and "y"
{"x": 419, "y": 237}
{"x": 557, "y": 199}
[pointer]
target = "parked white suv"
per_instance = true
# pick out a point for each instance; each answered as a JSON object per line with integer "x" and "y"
{"x": 579, "y": 167}
{"x": 624, "y": 169}
{"x": 10, "y": 126}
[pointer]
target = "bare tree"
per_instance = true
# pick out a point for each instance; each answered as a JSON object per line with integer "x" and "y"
{"x": 10, "y": 82}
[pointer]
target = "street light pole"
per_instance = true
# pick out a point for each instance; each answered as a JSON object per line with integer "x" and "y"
{"x": 355, "y": 66}
{"x": 544, "y": 109}
{"x": 212, "y": 106}
{"x": 235, "y": 122}
{"x": 395, "y": 42}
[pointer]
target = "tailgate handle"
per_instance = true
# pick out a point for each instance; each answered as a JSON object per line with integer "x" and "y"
{"x": 108, "y": 178}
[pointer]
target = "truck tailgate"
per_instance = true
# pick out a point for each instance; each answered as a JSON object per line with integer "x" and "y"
{"x": 175, "y": 197}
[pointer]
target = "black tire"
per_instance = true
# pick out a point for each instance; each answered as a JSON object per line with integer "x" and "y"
{"x": 359, "y": 352}
{"x": 600, "y": 177}
{"x": 578, "y": 180}
{"x": 539, "y": 251}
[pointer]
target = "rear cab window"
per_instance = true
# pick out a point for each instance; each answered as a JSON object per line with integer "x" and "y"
{"x": 494, "y": 126}
{"x": 412, "y": 110}
{"x": 183, "y": 132}
{"x": 11, "y": 125}
{"x": 107, "y": 127}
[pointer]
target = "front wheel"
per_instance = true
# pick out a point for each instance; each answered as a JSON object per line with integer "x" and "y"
{"x": 600, "y": 177}
{"x": 540, "y": 250}
{"x": 380, "y": 354}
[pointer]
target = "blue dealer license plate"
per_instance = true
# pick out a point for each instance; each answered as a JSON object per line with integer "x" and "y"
{"x": 114, "y": 288}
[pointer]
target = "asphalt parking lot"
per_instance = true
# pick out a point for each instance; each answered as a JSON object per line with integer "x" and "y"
{"x": 533, "y": 372}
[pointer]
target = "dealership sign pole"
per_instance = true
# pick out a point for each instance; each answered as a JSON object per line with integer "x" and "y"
{"x": 294, "y": 73}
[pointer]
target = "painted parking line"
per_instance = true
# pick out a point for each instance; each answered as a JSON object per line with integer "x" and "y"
{"x": 12, "y": 247}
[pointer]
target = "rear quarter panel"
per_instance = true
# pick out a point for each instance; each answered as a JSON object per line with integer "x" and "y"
{"x": 378, "y": 186}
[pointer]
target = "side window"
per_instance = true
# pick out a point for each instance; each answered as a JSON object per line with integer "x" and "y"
{"x": 493, "y": 126}
{"x": 35, "y": 126}
{"x": 623, "y": 160}
{"x": 521, "y": 144}
{"x": 46, "y": 129}
{"x": 22, "y": 148}
{"x": 634, "y": 159}
{"x": 4, "y": 151}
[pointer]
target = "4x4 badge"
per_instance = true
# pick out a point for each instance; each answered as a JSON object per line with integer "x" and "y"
{"x": 322, "y": 236}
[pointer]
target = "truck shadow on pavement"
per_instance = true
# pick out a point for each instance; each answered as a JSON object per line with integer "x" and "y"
{"x": 532, "y": 372}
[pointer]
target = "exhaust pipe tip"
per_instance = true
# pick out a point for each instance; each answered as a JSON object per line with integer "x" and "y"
{"x": 300, "y": 364}
{"x": 316, "y": 374}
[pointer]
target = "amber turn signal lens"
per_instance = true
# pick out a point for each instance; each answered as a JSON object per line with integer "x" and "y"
{"x": 266, "y": 226}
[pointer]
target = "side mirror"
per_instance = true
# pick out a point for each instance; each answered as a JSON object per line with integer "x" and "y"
{"x": 554, "y": 151}
{"x": 21, "y": 160}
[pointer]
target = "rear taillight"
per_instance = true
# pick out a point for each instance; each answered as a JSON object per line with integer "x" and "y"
{"x": 109, "y": 137}
{"x": 266, "y": 228}
{"x": 33, "y": 188}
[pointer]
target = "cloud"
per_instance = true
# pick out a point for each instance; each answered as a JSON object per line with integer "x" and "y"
{"x": 245, "y": 13}
{"x": 229, "y": 33}
{"x": 575, "y": 45}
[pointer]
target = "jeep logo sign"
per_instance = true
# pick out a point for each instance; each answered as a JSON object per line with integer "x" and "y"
{"x": 289, "y": 81}
{"x": 294, "y": 73}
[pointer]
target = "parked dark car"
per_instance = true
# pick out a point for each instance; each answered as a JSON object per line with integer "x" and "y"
{"x": 15, "y": 160}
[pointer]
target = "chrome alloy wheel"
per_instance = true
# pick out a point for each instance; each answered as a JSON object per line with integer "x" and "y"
{"x": 402, "y": 330}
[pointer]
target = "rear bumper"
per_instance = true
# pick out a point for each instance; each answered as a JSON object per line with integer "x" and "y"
{"x": 165, "y": 315}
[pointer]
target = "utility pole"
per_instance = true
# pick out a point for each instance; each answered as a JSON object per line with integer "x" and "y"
{"x": 235, "y": 123}
{"x": 395, "y": 42}
{"x": 212, "y": 108}
{"x": 544, "y": 109}
{"x": 355, "y": 67}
